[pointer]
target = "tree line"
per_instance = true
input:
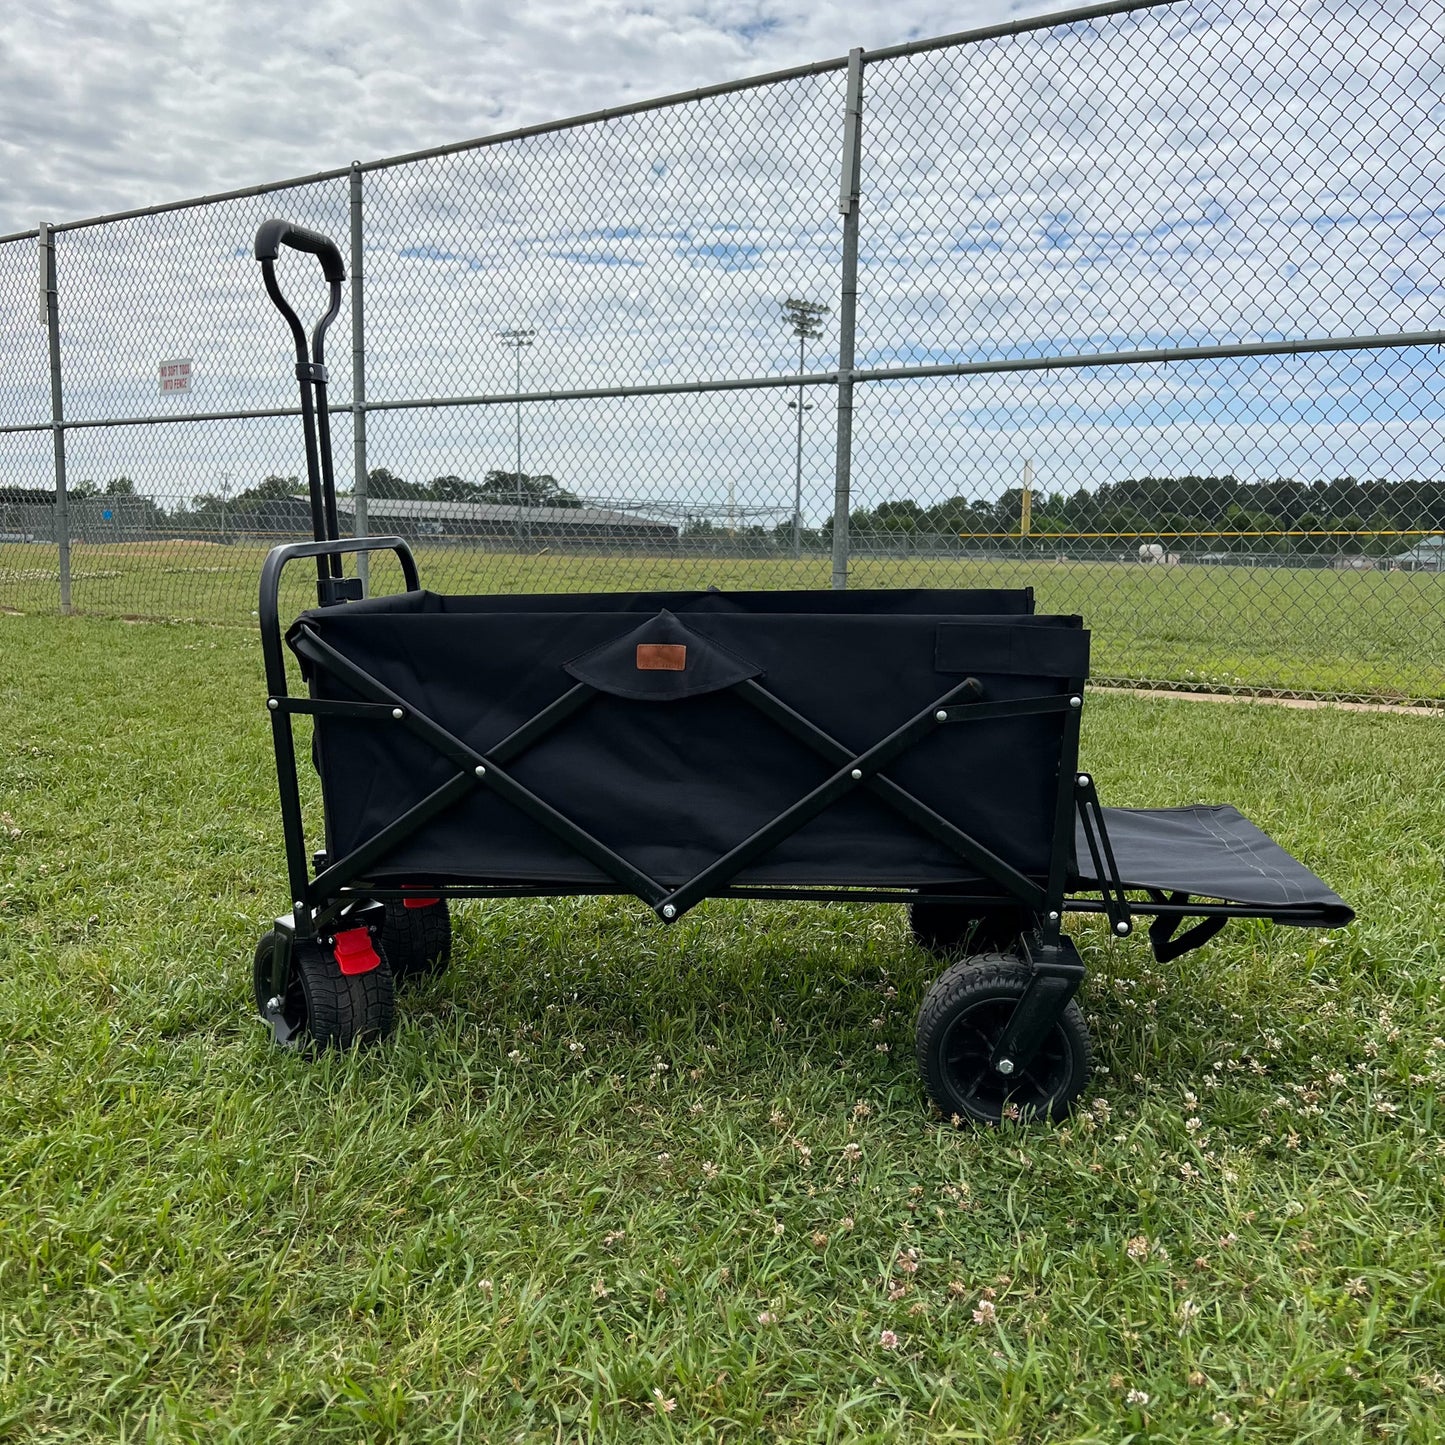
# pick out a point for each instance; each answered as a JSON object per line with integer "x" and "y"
{"x": 499, "y": 487}
{"x": 45, "y": 497}
{"x": 1169, "y": 507}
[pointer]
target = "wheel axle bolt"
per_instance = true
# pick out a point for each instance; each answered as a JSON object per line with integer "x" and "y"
{"x": 1122, "y": 929}
{"x": 275, "y": 1004}
{"x": 668, "y": 911}
{"x": 1005, "y": 1066}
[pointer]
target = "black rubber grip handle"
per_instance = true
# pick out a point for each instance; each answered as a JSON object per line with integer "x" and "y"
{"x": 277, "y": 233}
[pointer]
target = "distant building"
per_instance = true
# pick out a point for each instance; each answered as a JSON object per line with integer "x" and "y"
{"x": 1427, "y": 556}
{"x": 504, "y": 522}
{"x": 261, "y": 516}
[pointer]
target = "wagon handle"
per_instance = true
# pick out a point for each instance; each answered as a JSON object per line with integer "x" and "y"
{"x": 311, "y": 374}
{"x": 277, "y": 233}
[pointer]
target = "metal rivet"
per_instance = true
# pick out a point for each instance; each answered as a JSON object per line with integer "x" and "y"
{"x": 397, "y": 713}
{"x": 275, "y": 1004}
{"x": 668, "y": 911}
{"x": 273, "y": 703}
{"x": 1005, "y": 1066}
{"x": 940, "y": 716}
{"x": 1084, "y": 780}
{"x": 1053, "y": 917}
{"x": 481, "y": 772}
{"x": 1076, "y": 702}
{"x": 299, "y": 906}
{"x": 1122, "y": 929}
{"x": 856, "y": 774}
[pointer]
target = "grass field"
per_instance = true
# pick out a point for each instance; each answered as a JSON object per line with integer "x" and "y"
{"x": 1370, "y": 634}
{"x": 617, "y": 1183}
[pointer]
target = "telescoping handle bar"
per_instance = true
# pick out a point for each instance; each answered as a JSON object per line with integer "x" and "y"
{"x": 312, "y": 376}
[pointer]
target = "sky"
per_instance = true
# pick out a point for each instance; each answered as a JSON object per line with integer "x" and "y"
{"x": 111, "y": 104}
{"x": 1210, "y": 171}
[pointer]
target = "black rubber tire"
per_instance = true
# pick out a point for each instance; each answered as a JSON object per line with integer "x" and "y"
{"x": 418, "y": 941}
{"x": 947, "y": 930}
{"x": 962, "y": 1017}
{"x": 326, "y": 1008}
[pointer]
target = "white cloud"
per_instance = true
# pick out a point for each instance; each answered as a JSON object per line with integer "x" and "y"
{"x": 112, "y": 104}
{"x": 1214, "y": 171}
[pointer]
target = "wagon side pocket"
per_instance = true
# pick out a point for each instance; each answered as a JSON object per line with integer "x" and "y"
{"x": 1060, "y": 653}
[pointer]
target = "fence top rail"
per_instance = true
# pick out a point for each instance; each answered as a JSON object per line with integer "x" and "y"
{"x": 20, "y": 236}
{"x": 682, "y": 97}
{"x": 1053, "y": 19}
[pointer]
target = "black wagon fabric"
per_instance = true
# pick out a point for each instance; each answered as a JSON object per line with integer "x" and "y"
{"x": 852, "y": 602}
{"x": 673, "y": 785}
{"x": 1214, "y": 852}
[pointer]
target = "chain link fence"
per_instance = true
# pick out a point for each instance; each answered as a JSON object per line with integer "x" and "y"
{"x": 1140, "y": 307}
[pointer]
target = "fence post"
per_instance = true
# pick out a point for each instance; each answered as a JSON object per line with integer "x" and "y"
{"x": 847, "y": 313}
{"x": 50, "y": 305}
{"x": 358, "y": 378}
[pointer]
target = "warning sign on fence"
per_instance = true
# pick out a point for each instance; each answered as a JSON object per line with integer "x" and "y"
{"x": 175, "y": 376}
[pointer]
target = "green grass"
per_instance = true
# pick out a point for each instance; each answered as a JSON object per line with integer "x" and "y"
{"x": 604, "y": 1166}
{"x": 1369, "y": 634}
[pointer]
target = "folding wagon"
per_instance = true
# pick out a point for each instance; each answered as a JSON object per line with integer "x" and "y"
{"x": 913, "y": 747}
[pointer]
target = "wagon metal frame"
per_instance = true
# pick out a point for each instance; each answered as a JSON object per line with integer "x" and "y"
{"x": 338, "y": 905}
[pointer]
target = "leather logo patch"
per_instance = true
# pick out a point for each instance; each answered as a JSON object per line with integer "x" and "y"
{"x": 661, "y": 657}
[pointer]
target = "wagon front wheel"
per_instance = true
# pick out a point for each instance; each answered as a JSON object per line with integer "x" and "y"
{"x": 284, "y": 1009}
{"x": 963, "y": 1017}
{"x": 321, "y": 1007}
{"x": 417, "y": 939}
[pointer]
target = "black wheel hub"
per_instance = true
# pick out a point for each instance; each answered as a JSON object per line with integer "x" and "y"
{"x": 966, "y": 1051}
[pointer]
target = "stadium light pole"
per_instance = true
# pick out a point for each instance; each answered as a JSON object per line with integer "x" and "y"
{"x": 806, "y": 319}
{"x": 517, "y": 338}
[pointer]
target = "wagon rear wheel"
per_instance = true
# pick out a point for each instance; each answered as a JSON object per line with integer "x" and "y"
{"x": 323, "y": 1008}
{"x": 418, "y": 941}
{"x": 963, "y": 1016}
{"x": 949, "y": 929}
